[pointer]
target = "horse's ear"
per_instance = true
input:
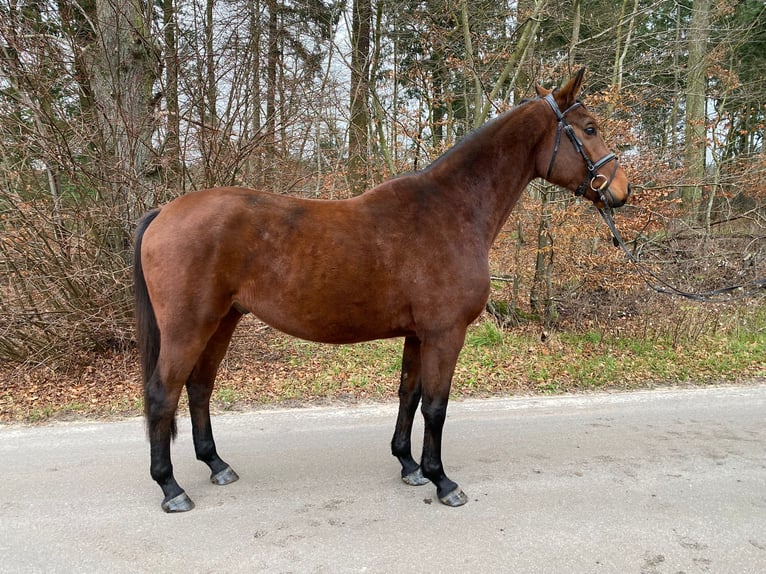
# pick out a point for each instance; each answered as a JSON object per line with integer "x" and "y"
{"x": 569, "y": 92}
{"x": 541, "y": 92}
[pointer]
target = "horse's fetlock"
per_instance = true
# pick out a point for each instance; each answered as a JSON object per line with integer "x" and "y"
{"x": 161, "y": 472}
{"x": 401, "y": 447}
{"x": 432, "y": 470}
{"x": 206, "y": 453}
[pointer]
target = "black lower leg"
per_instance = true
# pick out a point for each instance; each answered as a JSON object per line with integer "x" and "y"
{"x": 409, "y": 398}
{"x": 434, "y": 414}
{"x": 401, "y": 444}
{"x": 199, "y": 387}
{"x": 161, "y": 427}
{"x": 161, "y": 469}
{"x": 202, "y": 433}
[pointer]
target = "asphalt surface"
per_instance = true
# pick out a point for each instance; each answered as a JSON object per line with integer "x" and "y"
{"x": 646, "y": 482}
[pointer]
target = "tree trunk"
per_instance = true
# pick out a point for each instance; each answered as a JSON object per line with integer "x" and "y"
{"x": 471, "y": 60}
{"x": 272, "y": 64}
{"x": 377, "y": 109}
{"x": 696, "y": 82}
{"x": 623, "y": 45}
{"x": 540, "y": 299}
{"x": 77, "y": 23}
{"x": 255, "y": 164}
{"x": 209, "y": 118}
{"x": 576, "y": 20}
{"x": 358, "y": 133}
{"x": 172, "y": 150}
{"x": 124, "y": 73}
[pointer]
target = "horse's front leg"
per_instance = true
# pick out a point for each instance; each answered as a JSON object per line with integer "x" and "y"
{"x": 438, "y": 357}
{"x": 409, "y": 398}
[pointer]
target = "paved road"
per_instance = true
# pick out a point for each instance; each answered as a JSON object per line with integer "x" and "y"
{"x": 646, "y": 482}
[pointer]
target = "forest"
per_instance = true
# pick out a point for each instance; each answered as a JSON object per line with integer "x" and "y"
{"x": 111, "y": 107}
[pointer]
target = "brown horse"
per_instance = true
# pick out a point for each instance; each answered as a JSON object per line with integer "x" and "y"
{"x": 408, "y": 258}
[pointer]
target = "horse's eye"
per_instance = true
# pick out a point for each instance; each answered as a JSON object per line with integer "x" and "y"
{"x": 590, "y": 131}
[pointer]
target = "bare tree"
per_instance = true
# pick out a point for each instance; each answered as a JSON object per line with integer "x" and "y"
{"x": 125, "y": 66}
{"x": 172, "y": 145}
{"x": 696, "y": 96}
{"x": 359, "y": 126}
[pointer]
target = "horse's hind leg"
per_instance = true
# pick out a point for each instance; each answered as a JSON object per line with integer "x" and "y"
{"x": 161, "y": 396}
{"x": 180, "y": 350}
{"x": 160, "y": 416}
{"x": 409, "y": 397}
{"x": 200, "y": 388}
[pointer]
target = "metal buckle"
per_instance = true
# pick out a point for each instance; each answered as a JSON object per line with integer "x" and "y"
{"x": 598, "y": 177}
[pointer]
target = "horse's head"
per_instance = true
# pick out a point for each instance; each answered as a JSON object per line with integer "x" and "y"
{"x": 573, "y": 154}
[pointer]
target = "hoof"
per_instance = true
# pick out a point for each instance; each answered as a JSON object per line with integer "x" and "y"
{"x": 225, "y": 476}
{"x": 455, "y": 498}
{"x": 415, "y": 478}
{"x": 180, "y": 503}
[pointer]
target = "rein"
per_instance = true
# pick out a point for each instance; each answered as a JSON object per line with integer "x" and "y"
{"x": 599, "y": 183}
{"x": 664, "y": 287}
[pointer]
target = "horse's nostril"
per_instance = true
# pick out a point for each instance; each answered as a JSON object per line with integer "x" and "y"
{"x": 619, "y": 202}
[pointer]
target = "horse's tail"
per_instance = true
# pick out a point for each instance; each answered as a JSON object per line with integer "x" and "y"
{"x": 147, "y": 332}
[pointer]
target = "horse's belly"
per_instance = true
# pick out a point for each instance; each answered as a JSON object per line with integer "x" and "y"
{"x": 333, "y": 327}
{"x": 330, "y": 318}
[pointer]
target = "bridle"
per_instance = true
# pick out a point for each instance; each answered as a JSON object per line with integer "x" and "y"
{"x": 597, "y": 182}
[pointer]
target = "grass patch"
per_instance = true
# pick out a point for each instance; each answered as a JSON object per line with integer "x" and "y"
{"x": 695, "y": 346}
{"x": 485, "y": 334}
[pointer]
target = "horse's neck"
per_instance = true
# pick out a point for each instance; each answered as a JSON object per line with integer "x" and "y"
{"x": 486, "y": 173}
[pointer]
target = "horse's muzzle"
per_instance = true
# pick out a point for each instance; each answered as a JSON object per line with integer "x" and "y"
{"x": 608, "y": 198}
